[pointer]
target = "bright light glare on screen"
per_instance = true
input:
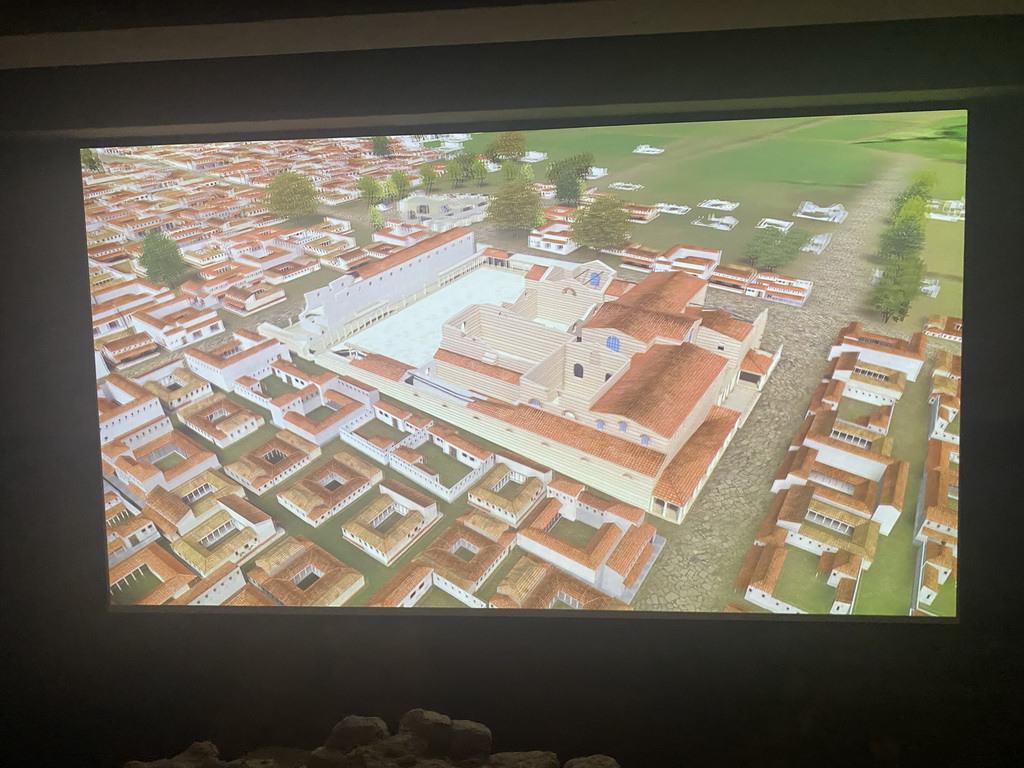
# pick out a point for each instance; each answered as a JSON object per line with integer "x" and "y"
{"x": 694, "y": 367}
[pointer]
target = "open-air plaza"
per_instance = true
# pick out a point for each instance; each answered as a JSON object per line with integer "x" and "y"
{"x": 681, "y": 367}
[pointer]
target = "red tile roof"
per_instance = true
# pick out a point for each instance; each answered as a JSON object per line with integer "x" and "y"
{"x": 411, "y": 252}
{"x": 724, "y": 323}
{"x": 682, "y": 475}
{"x": 384, "y": 366}
{"x": 478, "y": 366}
{"x": 662, "y": 386}
{"x": 604, "y": 446}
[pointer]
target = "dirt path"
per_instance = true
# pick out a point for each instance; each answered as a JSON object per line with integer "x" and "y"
{"x": 696, "y": 569}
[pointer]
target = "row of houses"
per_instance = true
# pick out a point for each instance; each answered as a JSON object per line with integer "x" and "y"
{"x": 839, "y": 488}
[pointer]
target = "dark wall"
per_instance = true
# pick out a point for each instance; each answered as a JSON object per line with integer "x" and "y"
{"x": 100, "y": 688}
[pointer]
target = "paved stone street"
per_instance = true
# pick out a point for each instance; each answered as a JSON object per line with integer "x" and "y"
{"x": 698, "y": 565}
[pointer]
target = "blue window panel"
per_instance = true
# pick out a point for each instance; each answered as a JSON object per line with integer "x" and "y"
{"x": 623, "y": 426}
{"x": 535, "y": 402}
{"x": 612, "y": 342}
{"x": 595, "y": 278}
{"x": 600, "y": 424}
{"x": 645, "y": 440}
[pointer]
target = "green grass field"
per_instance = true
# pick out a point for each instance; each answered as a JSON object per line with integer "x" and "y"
{"x": 800, "y": 585}
{"x": 137, "y": 586}
{"x": 436, "y": 597}
{"x": 945, "y": 602}
{"x": 886, "y": 588}
{"x": 768, "y": 166}
{"x": 574, "y": 532}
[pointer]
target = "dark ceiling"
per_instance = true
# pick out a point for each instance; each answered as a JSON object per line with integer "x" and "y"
{"x": 21, "y": 17}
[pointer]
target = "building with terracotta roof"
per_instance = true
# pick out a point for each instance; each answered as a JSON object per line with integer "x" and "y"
{"x": 297, "y": 573}
{"x": 368, "y": 293}
{"x": 945, "y": 397}
{"x": 248, "y": 300}
{"x": 699, "y": 262}
{"x": 245, "y": 353}
{"x": 614, "y": 559}
{"x": 231, "y": 532}
{"x": 272, "y": 463}
{"x": 124, "y": 407}
{"x": 393, "y": 519}
{"x": 881, "y": 350}
{"x": 759, "y": 576}
{"x": 174, "y": 323}
{"x": 943, "y": 327}
{"x": 220, "y": 586}
{"x": 506, "y": 494}
{"x": 220, "y": 420}
{"x": 127, "y": 348}
{"x": 462, "y": 559}
{"x": 553, "y": 236}
{"x": 166, "y": 461}
{"x": 533, "y": 584}
{"x": 327, "y": 490}
{"x": 175, "y": 385}
{"x": 169, "y": 576}
{"x": 127, "y": 529}
{"x": 405, "y": 588}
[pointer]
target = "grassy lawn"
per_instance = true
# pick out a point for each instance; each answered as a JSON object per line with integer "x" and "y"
{"x": 236, "y": 450}
{"x": 943, "y": 253}
{"x": 139, "y": 584}
{"x": 886, "y": 588}
{"x": 851, "y": 410}
{"x": 329, "y": 536}
{"x": 300, "y": 286}
{"x": 574, "y": 532}
{"x": 376, "y": 427}
{"x": 436, "y": 597}
{"x": 768, "y": 166}
{"x": 801, "y": 586}
{"x": 170, "y": 461}
{"x": 510, "y": 489}
{"x": 490, "y": 587}
{"x": 274, "y": 386}
{"x": 945, "y": 602}
{"x": 450, "y": 470}
{"x": 319, "y": 413}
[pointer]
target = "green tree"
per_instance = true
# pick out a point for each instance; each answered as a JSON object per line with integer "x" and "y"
{"x": 91, "y": 160}
{"x": 508, "y": 145}
{"x": 402, "y": 184}
{"x": 459, "y": 168}
{"x": 902, "y": 239}
{"x": 922, "y": 188}
{"x": 512, "y": 171}
{"x": 377, "y": 221}
{"x": 568, "y": 174}
{"x": 291, "y": 195}
{"x": 604, "y": 224}
{"x": 161, "y": 259}
{"x": 429, "y": 176}
{"x": 887, "y": 297}
{"x": 569, "y": 190}
{"x": 388, "y": 190}
{"x": 478, "y": 171}
{"x": 516, "y": 205}
{"x": 763, "y": 247}
{"x": 381, "y": 146}
{"x": 371, "y": 189}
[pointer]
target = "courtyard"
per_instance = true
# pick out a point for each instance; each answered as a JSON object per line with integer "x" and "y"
{"x": 414, "y": 334}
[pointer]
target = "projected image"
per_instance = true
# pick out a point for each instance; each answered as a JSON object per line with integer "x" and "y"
{"x": 700, "y": 367}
